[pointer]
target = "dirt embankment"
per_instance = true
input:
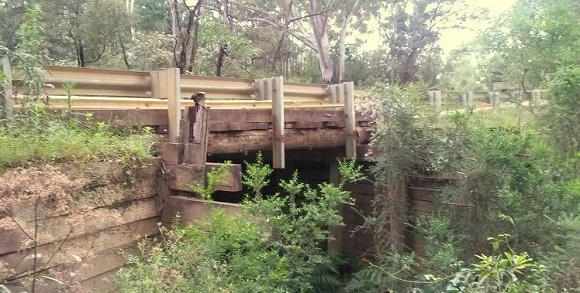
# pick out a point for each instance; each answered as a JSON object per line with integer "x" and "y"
{"x": 63, "y": 226}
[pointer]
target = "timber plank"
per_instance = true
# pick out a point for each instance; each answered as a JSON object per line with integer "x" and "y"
{"x": 233, "y": 179}
{"x": 20, "y": 262}
{"x": 260, "y": 140}
{"x": 193, "y": 210}
{"x": 60, "y": 228}
{"x": 159, "y": 117}
{"x": 102, "y": 196}
{"x": 420, "y": 193}
{"x": 182, "y": 177}
{"x": 88, "y": 272}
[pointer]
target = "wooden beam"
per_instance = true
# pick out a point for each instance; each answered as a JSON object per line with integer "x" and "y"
{"x": 7, "y": 92}
{"x": 278, "y": 155}
{"x": 195, "y": 135}
{"x": 233, "y": 179}
{"x": 174, "y": 103}
{"x": 193, "y": 210}
{"x": 350, "y": 118}
{"x": 261, "y": 140}
{"x": 183, "y": 177}
{"x": 172, "y": 153}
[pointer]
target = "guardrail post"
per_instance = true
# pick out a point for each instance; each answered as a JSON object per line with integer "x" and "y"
{"x": 469, "y": 98}
{"x": 278, "y": 150}
{"x": 536, "y": 97}
{"x": 8, "y": 102}
{"x": 173, "y": 94}
{"x": 438, "y": 104}
{"x": 432, "y": 97}
{"x": 494, "y": 97}
{"x": 349, "y": 115}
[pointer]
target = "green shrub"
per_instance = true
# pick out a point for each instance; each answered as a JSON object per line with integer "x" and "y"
{"x": 273, "y": 245}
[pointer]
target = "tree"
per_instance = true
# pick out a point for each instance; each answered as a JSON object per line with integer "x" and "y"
{"x": 88, "y": 28}
{"x": 531, "y": 41}
{"x": 410, "y": 29}
{"x": 307, "y": 21}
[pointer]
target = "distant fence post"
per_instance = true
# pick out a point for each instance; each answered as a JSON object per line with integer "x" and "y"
{"x": 276, "y": 85}
{"x": 438, "y": 104}
{"x": 469, "y": 98}
{"x": 536, "y": 97}
{"x": 432, "y": 97}
{"x": 8, "y": 103}
{"x": 350, "y": 118}
{"x": 494, "y": 99}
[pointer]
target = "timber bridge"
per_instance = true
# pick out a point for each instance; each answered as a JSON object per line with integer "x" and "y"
{"x": 297, "y": 126}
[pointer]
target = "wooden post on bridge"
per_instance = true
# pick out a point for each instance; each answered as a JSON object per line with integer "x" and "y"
{"x": 8, "y": 102}
{"x": 195, "y": 133}
{"x": 272, "y": 89}
{"x": 350, "y": 125}
{"x": 344, "y": 93}
{"x": 278, "y": 150}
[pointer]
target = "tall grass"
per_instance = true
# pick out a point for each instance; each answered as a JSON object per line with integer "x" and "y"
{"x": 44, "y": 137}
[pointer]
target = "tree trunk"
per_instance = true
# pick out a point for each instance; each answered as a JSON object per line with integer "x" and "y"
{"x": 81, "y": 54}
{"x": 124, "y": 51}
{"x": 319, "y": 22}
{"x": 342, "y": 40}
{"x": 220, "y": 60}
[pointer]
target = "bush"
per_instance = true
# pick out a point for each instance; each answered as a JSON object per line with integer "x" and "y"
{"x": 273, "y": 245}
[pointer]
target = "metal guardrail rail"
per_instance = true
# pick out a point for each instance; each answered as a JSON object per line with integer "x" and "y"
{"x": 120, "y": 89}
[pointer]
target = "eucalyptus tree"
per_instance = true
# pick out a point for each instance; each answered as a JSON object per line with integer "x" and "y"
{"x": 85, "y": 30}
{"x": 410, "y": 30}
{"x": 310, "y": 22}
{"x": 532, "y": 41}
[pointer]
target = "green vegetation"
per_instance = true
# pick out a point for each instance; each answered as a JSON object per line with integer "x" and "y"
{"x": 504, "y": 178}
{"x": 48, "y": 138}
{"x": 273, "y": 245}
{"x": 36, "y": 133}
{"x": 512, "y": 175}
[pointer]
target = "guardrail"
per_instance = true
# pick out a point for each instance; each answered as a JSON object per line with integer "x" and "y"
{"x": 119, "y": 89}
